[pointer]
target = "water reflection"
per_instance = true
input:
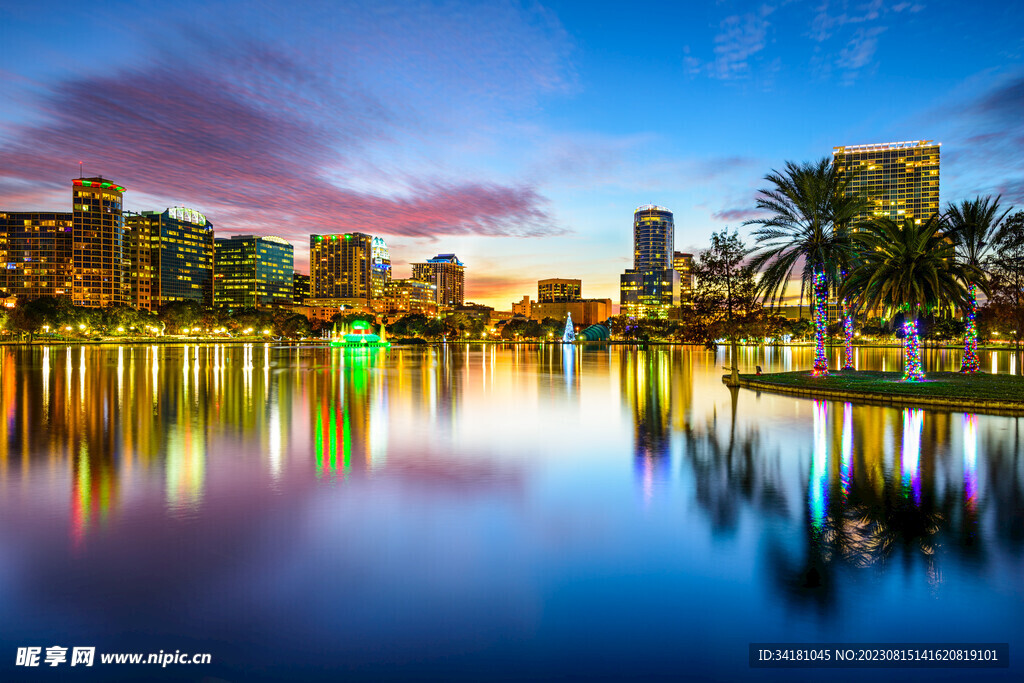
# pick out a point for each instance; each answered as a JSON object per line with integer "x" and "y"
{"x": 490, "y": 494}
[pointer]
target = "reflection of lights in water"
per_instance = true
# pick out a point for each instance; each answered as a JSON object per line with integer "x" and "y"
{"x": 818, "y": 484}
{"x": 274, "y": 441}
{"x": 81, "y": 374}
{"x": 120, "y": 375}
{"x": 971, "y": 461}
{"x": 995, "y": 365}
{"x": 568, "y": 363}
{"x": 913, "y": 423}
{"x": 847, "y": 453}
{"x": 1013, "y": 363}
{"x": 266, "y": 366}
{"x": 46, "y": 379}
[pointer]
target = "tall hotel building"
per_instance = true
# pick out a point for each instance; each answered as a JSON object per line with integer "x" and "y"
{"x": 349, "y": 269}
{"x": 448, "y": 274}
{"x": 252, "y": 272}
{"x": 171, "y": 257}
{"x": 899, "y": 179}
{"x": 100, "y": 244}
{"x": 651, "y": 287}
{"x": 83, "y": 254}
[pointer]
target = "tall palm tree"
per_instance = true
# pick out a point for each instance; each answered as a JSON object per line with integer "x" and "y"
{"x": 974, "y": 226}
{"x": 909, "y": 267}
{"x": 807, "y": 231}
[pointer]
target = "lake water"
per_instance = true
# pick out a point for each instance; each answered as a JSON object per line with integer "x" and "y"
{"x": 466, "y": 513}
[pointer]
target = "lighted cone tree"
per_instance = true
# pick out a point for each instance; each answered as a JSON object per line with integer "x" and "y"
{"x": 912, "y": 371}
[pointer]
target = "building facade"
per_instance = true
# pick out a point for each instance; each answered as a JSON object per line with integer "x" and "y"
{"x": 682, "y": 263}
{"x": 37, "y": 254}
{"x": 523, "y": 307}
{"x": 447, "y": 274}
{"x": 408, "y": 296}
{"x": 558, "y": 290}
{"x": 650, "y": 289}
{"x": 171, "y": 255}
{"x": 899, "y": 179}
{"x": 252, "y": 271}
{"x": 300, "y": 288}
{"x": 585, "y": 312}
{"x": 340, "y": 266}
{"x": 101, "y": 258}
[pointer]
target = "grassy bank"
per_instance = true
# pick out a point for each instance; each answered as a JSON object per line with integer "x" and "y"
{"x": 952, "y": 390}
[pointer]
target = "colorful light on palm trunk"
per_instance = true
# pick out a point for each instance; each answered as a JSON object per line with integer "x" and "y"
{"x": 848, "y": 328}
{"x": 970, "y": 361}
{"x": 820, "y": 324}
{"x": 912, "y": 365}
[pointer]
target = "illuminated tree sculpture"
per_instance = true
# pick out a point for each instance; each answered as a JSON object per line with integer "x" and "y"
{"x": 912, "y": 371}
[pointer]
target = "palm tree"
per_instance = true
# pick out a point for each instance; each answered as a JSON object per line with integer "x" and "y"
{"x": 908, "y": 267}
{"x": 808, "y": 229}
{"x": 974, "y": 226}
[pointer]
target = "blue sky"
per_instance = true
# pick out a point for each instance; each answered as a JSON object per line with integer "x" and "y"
{"x": 521, "y": 136}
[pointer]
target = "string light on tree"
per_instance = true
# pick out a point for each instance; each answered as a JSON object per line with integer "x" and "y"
{"x": 848, "y": 328}
{"x": 820, "y": 324}
{"x": 970, "y": 362}
{"x": 912, "y": 371}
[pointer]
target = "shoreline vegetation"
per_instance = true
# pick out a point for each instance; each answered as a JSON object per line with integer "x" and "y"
{"x": 955, "y": 391}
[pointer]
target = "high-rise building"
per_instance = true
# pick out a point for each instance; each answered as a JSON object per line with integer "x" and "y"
{"x": 408, "y": 296}
{"x": 651, "y": 287}
{"x": 899, "y": 179}
{"x": 37, "y": 257}
{"x": 380, "y": 268}
{"x": 682, "y": 263}
{"x": 340, "y": 266}
{"x": 171, "y": 255}
{"x": 557, "y": 290}
{"x": 252, "y": 271}
{"x": 300, "y": 289}
{"x": 447, "y": 274}
{"x": 102, "y": 270}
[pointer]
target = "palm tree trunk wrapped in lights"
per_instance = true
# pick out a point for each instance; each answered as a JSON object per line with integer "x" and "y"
{"x": 820, "y": 324}
{"x": 848, "y": 330}
{"x": 912, "y": 371}
{"x": 970, "y": 362}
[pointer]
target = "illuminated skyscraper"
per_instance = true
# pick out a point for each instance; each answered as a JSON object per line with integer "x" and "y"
{"x": 37, "y": 256}
{"x": 447, "y": 274}
{"x": 340, "y": 267}
{"x": 171, "y": 257}
{"x": 683, "y": 264}
{"x": 100, "y": 244}
{"x": 252, "y": 271}
{"x": 900, "y": 179}
{"x": 651, "y": 287}
{"x": 301, "y": 290}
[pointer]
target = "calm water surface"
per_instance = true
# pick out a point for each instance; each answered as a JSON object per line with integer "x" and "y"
{"x": 481, "y": 512}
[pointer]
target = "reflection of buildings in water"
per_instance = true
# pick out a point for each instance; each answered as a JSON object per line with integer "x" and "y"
{"x": 656, "y": 384}
{"x": 349, "y": 414}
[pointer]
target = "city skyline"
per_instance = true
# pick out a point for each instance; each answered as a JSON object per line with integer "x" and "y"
{"x": 504, "y": 134}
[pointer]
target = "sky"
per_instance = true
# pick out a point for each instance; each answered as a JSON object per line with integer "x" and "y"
{"x": 520, "y": 136}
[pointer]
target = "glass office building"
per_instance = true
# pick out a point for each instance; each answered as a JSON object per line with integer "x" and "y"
{"x": 172, "y": 257}
{"x": 37, "y": 253}
{"x": 251, "y": 271}
{"x": 651, "y": 287}
{"x": 100, "y": 249}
